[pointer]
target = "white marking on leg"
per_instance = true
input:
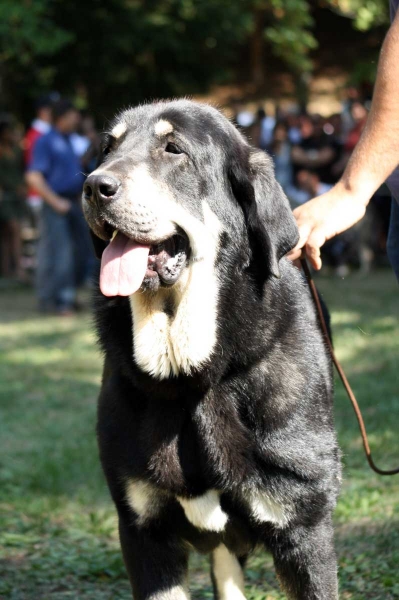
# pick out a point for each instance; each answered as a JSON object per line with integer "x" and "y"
{"x": 175, "y": 593}
{"x": 228, "y": 575}
{"x": 205, "y": 511}
{"x": 119, "y": 129}
{"x": 266, "y": 509}
{"x": 163, "y": 127}
{"x": 144, "y": 498}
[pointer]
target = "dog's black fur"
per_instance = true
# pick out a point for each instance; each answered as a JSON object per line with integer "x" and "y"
{"x": 256, "y": 418}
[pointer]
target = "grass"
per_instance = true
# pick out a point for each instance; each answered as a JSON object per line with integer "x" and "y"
{"x": 58, "y": 535}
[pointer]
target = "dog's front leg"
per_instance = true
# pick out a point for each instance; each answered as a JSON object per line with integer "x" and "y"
{"x": 305, "y": 561}
{"x": 156, "y": 563}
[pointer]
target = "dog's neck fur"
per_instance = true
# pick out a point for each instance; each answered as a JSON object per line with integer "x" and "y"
{"x": 175, "y": 330}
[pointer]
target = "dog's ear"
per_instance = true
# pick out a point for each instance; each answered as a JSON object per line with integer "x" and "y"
{"x": 98, "y": 243}
{"x": 271, "y": 226}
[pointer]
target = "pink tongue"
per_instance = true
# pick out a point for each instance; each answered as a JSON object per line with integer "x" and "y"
{"x": 123, "y": 266}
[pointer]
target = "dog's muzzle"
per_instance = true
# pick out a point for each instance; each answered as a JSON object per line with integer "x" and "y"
{"x": 131, "y": 262}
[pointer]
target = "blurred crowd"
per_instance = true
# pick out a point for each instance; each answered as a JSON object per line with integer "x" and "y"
{"x": 42, "y": 169}
{"x": 44, "y": 238}
{"x": 310, "y": 153}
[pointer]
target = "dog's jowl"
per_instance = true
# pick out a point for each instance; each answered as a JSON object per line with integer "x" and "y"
{"x": 215, "y": 419}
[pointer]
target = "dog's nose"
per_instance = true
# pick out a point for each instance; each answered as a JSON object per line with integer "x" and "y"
{"x": 101, "y": 188}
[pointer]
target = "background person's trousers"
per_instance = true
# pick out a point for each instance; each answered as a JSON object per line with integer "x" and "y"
{"x": 63, "y": 256}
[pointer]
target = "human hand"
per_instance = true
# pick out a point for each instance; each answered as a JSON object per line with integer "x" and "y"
{"x": 324, "y": 217}
{"x": 61, "y": 205}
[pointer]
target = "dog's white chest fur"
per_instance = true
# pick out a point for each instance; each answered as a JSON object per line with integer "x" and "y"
{"x": 168, "y": 344}
{"x": 205, "y": 511}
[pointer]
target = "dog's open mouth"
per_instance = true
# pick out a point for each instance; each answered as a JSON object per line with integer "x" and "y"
{"x": 127, "y": 265}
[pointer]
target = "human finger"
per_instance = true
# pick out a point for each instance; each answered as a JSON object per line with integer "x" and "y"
{"x": 312, "y": 248}
{"x": 294, "y": 254}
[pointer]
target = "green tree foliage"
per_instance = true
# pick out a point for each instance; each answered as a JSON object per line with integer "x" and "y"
{"x": 28, "y": 30}
{"x": 289, "y": 33}
{"x": 116, "y": 52}
{"x": 365, "y": 13}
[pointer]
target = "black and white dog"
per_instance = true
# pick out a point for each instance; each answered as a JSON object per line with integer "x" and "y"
{"x": 215, "y": 418}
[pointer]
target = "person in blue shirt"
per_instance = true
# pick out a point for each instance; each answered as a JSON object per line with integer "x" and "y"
{"x": 55, "y": 172}
{"x": 374, "y": 160}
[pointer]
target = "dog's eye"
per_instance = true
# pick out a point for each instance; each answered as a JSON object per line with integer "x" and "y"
{"x": 173, "y": 148}
{"x": 106, "y": 150}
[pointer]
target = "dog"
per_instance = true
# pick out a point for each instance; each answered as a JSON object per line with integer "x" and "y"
{"x": 215, "y": 423}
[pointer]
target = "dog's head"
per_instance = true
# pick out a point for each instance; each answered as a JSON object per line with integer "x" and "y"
{"x": 174, "y": 178}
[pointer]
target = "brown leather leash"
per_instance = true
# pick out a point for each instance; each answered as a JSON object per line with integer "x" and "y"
{"x": 351, "y": 395}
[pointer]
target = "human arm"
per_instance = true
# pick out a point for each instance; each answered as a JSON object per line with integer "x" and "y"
{"x": 36, "y": 180}
{"x": 373, "y": 160}
{"x": 36, "y": 176}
